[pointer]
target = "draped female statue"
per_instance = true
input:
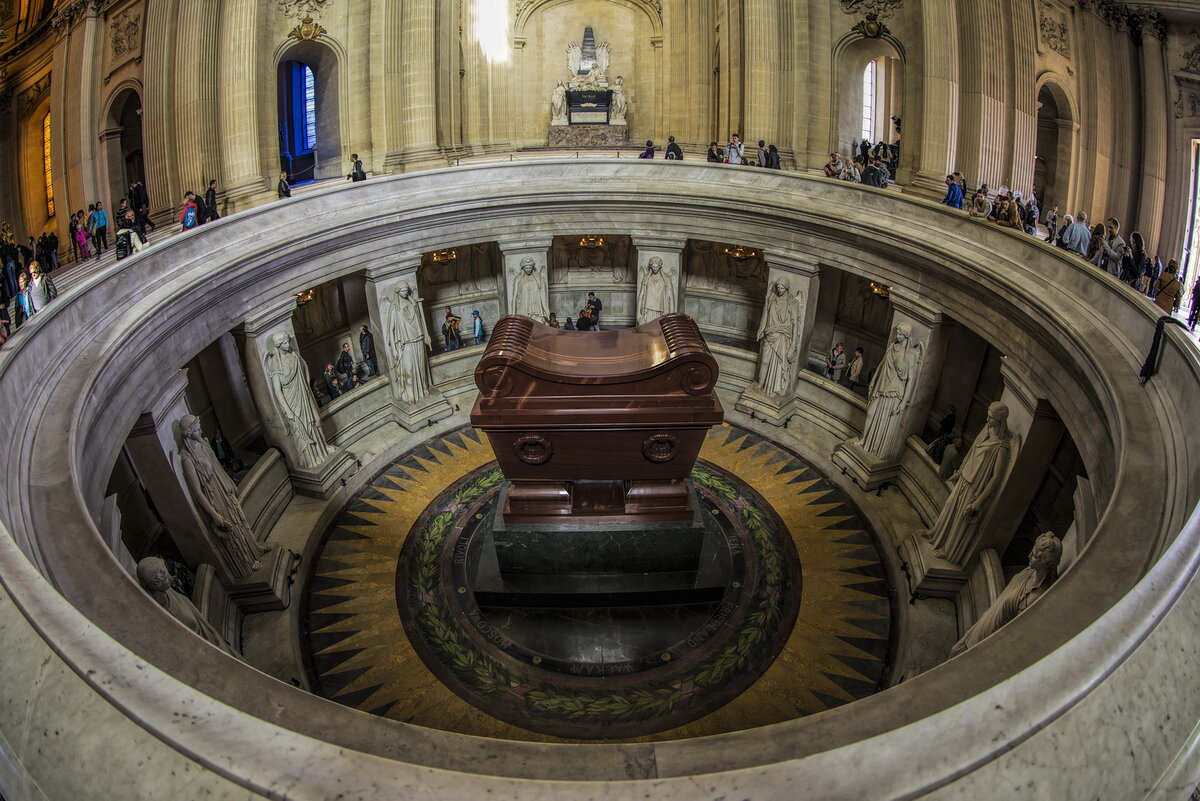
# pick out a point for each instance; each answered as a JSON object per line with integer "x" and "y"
{"x": 408, "y": 343}
{"x": 656, "y": 291}
{"x": 779, "y": 338}
{"x": 291, "y": 389}
{"x": 976, "y": 484}
{"x": 891, "y": 394}
{"x": 153, "y": 576}
{"x": 215, "y": 493}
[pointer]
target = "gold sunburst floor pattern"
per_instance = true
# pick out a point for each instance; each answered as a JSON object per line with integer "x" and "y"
{"x": 359, "y": 653}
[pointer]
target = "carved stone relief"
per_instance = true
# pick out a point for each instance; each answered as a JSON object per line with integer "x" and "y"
{"x": 872, "y": 8}
{"x": 295, "y": 9}
{"x": 124, "y": 30}
{"x": 28, "y": 98}
{"x": 1054, "y": 31}
{"x": 1191, "y": 57}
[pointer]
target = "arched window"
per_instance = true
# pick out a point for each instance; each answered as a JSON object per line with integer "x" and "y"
{"x": 868, "y": 108}
{"x": 310, "y": 106}
{"x": 46, "y": 165}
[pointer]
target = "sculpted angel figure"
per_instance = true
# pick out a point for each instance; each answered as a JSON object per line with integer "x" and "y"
{"x": 891, "y": 394}
{"x": 529, "y": 291}
{"x": 291, "y": 389}
{"x": 656, "y": 291}
{"x": 408, "y": 343}
{"x": 574, "y": 57}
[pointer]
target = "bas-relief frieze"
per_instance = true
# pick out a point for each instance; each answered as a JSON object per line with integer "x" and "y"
{"x": 1054, "y": 30}
{"x": 296, "y": 9}
{"x": 124, "y": 32}
{"x": 1191, "y": 57}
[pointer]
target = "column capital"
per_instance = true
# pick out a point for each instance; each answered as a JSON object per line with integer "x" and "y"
{"x": 917, "y": 308}
{"x": 792, "y": 264}
{"x": 404, "y": 264}
{"x": 167, "y": 401}
{"x": 659, "y": 243}
{"x": 509, "y": 246}
{"x": 270, "y": 315}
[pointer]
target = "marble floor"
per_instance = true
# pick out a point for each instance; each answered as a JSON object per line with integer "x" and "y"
{"x": 390, "y": 625}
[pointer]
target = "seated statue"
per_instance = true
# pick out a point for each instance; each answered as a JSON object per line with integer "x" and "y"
{"x": 153, "y": 576}
{"x": 1025, "y": 588}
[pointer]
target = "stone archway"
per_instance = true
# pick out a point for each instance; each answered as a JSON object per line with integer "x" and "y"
{"x": 318, "y": 154}
{"x": 122, "y": 137}
{"x": 1055, "y": 147}
{"x": 852, "y": 57}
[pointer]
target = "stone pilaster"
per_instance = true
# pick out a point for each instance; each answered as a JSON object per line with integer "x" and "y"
{"x": 418, "y": 48}
{"x": 243, "y": 183}
{"x": 804, "y": 283}
{"x": 668, "y": 249}
{"x": 1152, "y": 196}
{"x": 874, "y": 458}
{"x": 931, "y": 145}
{"x": 381, "y": 283}
{"x": 320, "y": 480}
{"x": 197, "y": 156}
{"x": 221, "y": 368}
{"x": 762, "y": 20}
{"x": 153, "y": 447}
{"x": 158, "y": 109}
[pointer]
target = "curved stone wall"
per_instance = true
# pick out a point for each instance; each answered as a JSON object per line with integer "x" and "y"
{"x": 1025, "y": 703}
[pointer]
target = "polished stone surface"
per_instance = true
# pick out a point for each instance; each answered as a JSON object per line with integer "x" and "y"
{"x": 582, "y": 652}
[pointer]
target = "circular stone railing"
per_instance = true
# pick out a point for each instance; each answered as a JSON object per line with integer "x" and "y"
{"x": 102, "y": 690}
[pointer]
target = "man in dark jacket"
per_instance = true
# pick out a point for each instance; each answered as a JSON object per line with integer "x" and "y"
{"x": 345, "y": 365}
{"x": 210, "y": 201}
{"x": 366, "y": 343}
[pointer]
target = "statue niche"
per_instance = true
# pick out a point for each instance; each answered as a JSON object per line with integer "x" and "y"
{"x": 591, "y": 259}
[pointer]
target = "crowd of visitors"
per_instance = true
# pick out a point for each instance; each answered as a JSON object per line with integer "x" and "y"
{"x": 345, "y": 374}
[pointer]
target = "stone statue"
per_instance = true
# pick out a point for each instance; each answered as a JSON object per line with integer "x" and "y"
{"x": 891, "y": 394}
{"x": 619, "y": 104}
{"x": 408, "y": 343}
{"x": 558, "y": 105}
{"x": 779, "y": 338}
{"x": 1025, "y": 588}
{"x": 656, "y": 291}
{"x": 215, "y": 493}
{"x": 574, "y": 57}
{"x": 153, "y": 576}
{"x": 603, "y": 58}
{"x": 529, "y": 291}
{"x": 287, "y": 375}
{"x": 976, "y": 484}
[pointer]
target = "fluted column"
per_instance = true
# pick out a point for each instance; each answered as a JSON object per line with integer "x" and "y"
{"x": 387, "y": 85}
{"x": 242, "y": 174}
{"x": 1154, "y": 139}
{"x": 933, "y": 151}
{"x": 761, "y": 32}
{"x": 197, "y": 155}
{"x": 1022, "y": 144}
{"x": 158, "y": 109}
{"x": 91, "y": 35}
{"x": 897, "y": 410}
{"x": 418, "y": 49}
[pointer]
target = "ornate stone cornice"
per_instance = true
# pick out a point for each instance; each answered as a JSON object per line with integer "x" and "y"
{"x": 1120, "y": 16}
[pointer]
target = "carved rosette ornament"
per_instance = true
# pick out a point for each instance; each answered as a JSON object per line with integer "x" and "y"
{"x": 533, "y": 449}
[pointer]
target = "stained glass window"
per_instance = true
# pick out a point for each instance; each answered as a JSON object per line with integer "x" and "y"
{"x": 310, "y": 108}
{"x": 46, "y": 165}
